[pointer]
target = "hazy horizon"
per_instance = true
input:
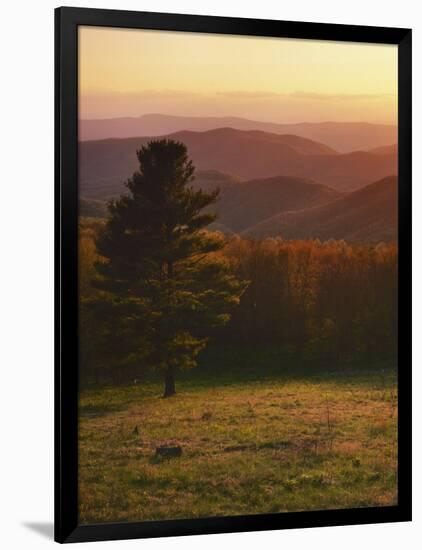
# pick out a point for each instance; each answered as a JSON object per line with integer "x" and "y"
{"x": 131, "y": 73}
{"x": 250, "y": 119}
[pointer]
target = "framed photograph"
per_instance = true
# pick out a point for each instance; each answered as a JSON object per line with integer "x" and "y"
{"x": 233, "y": 284}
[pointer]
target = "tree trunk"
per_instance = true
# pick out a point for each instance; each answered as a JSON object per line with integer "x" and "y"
{"x": 169, "y": 384}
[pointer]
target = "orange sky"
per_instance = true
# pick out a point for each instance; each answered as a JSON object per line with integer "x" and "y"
{"x": 133, "y": 72}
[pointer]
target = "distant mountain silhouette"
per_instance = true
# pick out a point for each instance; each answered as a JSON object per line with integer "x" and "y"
{"x": 94, "y": 191}
{"x": 208, "y": 180}
{"x": 246, "y": 204}
{"x": 341, "y": 136}
{"x": 385, "y": 150}
{"x": 369, "y": 214}
{"x": 106, "y": 164}
{"x": 294, "y": 208}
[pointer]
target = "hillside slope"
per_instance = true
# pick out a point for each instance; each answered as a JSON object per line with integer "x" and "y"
{"x": 342, "y": 136}
{"x": 251, "y": 202}
{"x": 106, "y": 164}
{"x": 369, "y": 214}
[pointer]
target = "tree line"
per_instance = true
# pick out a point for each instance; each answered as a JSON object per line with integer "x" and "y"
{"x": 331, "y": 301}
{"x": 157, "y": 287}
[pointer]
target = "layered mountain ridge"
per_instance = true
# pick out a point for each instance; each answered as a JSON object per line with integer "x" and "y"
{"x": 270, "y": 184}
{"x": 342, "y": 136}
{"x": 245, "y": 154}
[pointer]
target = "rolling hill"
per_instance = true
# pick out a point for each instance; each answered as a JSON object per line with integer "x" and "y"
{"x": 106, "y": 164}
{"x": 250, "y": 202}
{"x": 244, "y": 204}
{"x": 105, "y": 188}
{"x": 385, "y": 150}
{"x": 294, "y": 208}
{"x": 369, "y": 214}
{"x": 342, "y": 136}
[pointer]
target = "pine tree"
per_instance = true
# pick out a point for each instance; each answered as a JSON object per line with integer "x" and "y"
{"x": 160, "y": 276}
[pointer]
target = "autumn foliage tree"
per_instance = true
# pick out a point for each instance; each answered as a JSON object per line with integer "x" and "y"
{"x": 329, "y": 301}
{"x": 161, "y": 285}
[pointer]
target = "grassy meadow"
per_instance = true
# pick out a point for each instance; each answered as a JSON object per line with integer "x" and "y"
{"x": 253, "y": 443}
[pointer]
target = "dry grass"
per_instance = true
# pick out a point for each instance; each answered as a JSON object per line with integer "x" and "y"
{"x": 252, "y": 447}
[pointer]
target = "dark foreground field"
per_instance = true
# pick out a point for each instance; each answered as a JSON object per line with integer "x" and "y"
{"x": 248, "y": 446}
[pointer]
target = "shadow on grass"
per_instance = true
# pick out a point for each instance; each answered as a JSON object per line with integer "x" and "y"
{"x": 229, "y": 366}
{"x": 356, "y": 376}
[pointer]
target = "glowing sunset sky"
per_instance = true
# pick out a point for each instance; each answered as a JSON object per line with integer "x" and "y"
{"x": 134, "y": 72}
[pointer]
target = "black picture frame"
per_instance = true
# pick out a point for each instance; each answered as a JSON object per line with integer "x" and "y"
{"x": 67, "y": 21}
